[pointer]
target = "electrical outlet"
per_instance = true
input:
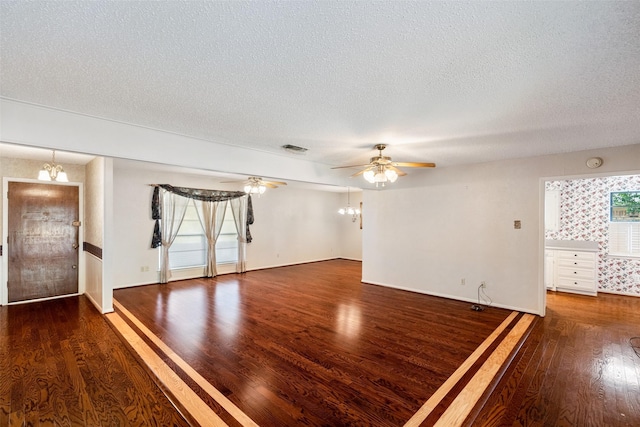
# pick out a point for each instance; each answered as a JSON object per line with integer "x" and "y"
{"x": 463, "y": 282}
{"x": 483, "y": 284}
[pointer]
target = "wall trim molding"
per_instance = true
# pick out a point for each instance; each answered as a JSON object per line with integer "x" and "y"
{"x": 92, "y": 249}
{"x": 452, "y": 297}
{"x": 133, "y": 285}
{"x": 624, "y": 294}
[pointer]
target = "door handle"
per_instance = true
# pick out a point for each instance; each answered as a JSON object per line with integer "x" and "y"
{"x": 75, "y": 246}
{"x": 74, "y": 266}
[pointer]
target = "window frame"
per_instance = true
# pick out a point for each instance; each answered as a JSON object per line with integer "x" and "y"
{"x": 624, "y": 229}
{"x": 191, "y": 215}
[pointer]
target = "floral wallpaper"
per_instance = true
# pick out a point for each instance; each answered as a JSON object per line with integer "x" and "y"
{"x": 584, "y": 215}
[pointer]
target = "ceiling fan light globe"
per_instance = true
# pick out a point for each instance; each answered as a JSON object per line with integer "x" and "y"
{"x": 261, "y": 189}
{"x": 369, "y": 176}
{"x": 247, "y": 189}
{"x": 380, "y": 177}
{"x": 391, "y": 175}
{"x": 341, "y": 211}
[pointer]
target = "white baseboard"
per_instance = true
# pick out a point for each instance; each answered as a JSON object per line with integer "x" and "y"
{"x": 350, "y": 259}
{"x": 452, "y": 297}
{"x": 96, "y": 305}
{"x": 196, "y": 275}
{"x": 626, "y": 294}
{"x": 290, "y": 264}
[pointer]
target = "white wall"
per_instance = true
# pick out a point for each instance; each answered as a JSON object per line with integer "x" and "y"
{"x": 291, "y": 225}
{"x": 94, "y": 201}
{"x": 108, "y": 259}
{"x": 294, "y": 226}
{"x": 93, "y": 229}
{"x": 350, "y": 231}
{"x": 457, "y": 222}
{"x": 33, "y": 125}
{"x": 93, "y": 279}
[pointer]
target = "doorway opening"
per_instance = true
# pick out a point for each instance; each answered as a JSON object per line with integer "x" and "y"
{"x": 580, "y": 214}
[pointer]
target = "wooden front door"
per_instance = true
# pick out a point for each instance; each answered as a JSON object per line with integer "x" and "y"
{"x": 42, "y": 243}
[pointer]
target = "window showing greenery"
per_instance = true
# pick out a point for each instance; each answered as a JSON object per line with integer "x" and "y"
{"x": 625, "y": 206}
{"x": 624, "y": 225}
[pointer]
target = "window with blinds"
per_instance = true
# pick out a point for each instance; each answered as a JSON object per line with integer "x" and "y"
{"x": 624, "y": 239}
{"x": 227, "y": 243}
{"x": 189, "y": 249}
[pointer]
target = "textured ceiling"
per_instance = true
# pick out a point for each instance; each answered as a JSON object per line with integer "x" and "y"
{"x": 448, "y": 82}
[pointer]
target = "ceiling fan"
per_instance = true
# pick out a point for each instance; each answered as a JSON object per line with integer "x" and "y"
{"x": 257, "y": 185}
{"x": 382, "y": 169}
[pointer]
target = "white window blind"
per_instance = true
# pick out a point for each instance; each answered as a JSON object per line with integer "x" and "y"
{"x": 624, "y": 239}
{"x": 189, "y": 249}
{"x": 227, "y": 244}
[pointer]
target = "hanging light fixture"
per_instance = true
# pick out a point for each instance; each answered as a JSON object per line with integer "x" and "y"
{"x": 380, "y": 174}
{"x": 354, "y": 212}
{"x": 255, "y": 185}
{"x": 254, "y": 188}
{"x": 53, "y": 172}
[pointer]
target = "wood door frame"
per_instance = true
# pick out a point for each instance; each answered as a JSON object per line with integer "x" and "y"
{"x": 4, "y": 291}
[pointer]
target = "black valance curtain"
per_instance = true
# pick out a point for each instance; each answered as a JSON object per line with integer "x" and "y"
{"x": 197, "y": 194}
{"x": 201, "y": 194}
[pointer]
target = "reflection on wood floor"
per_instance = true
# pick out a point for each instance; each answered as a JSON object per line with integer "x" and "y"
{"x": 310, "y": 345}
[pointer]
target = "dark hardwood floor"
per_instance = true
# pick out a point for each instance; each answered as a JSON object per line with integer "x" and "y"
{"x": 311, "y": 345}
{"x": 578, "y": 367}
{"x": 61, "y": 364}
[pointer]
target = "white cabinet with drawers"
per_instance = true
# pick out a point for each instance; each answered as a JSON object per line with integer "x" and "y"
{"x": 576, "y": 272}
{"x": 575, "y": 268}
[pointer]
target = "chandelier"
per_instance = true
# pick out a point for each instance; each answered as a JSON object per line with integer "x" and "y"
{"x": 380, "y": 174}
{"x": 354, "y": 212}
{"x": 52, "y": 171}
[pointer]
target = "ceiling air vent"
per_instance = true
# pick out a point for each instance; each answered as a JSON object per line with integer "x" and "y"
{"x": 294, "y": 149}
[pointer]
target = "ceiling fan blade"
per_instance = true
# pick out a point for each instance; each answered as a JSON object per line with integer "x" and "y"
{"x": 268, "y": 184}
{"x": 359, "y": 173}
{"x": 396, "y": 170}
{"x": 230, "y": 182}
{"x": 414, "y": 165}
{"x": 276, "y": 183}
{"x": 351, "y": 166}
